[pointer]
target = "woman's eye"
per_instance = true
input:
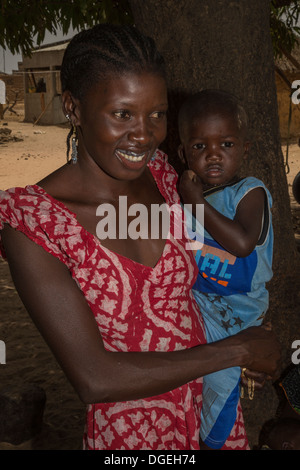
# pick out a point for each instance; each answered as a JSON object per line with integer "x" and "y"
{"x": 122, "y": 114}
{"x": 158, "y": 115}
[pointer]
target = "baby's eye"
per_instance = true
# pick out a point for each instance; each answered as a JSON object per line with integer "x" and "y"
{"x": 122, "y": 114}
{"x": 227, "y": 144}
{"x": 199, "y": 146}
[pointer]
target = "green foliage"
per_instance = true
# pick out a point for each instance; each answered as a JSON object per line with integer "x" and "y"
{"x": 285, "y": 28}
{"x": 23, "y": 23}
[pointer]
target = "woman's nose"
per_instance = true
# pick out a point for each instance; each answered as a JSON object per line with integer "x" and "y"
{"x": 141, "y": 131}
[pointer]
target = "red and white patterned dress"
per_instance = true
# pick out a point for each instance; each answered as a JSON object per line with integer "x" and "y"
{"x": 137, "y": 308}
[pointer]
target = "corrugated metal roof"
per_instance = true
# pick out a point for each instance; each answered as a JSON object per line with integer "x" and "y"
{"x": 57, "y": 46}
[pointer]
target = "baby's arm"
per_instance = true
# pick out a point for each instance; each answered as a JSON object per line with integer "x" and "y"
{"x": 238, "y": 236}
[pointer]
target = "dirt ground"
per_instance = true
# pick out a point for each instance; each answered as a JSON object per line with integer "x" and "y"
{"x": 27, "y": 154}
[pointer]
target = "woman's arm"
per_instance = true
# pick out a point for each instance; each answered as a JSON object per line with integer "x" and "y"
{"x": 238, "y": 236}
{"x": 63, "y": 317}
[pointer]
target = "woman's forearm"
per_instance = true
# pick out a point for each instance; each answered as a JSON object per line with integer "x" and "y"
{"x": 134, "y": 375}
{"x": 128, "y": 376}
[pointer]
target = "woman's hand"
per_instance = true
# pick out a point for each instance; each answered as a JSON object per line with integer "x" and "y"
{"x": 252, "y": 381}
{"x": 264, "y": 354}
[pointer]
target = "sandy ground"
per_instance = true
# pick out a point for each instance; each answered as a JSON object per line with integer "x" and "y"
{"x": 28, "y": 359}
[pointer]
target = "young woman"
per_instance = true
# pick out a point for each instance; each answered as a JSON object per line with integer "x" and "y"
{"x": 118, "y": 313}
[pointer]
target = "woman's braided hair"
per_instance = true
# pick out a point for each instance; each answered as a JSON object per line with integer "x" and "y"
{"x": 107, "y": 50}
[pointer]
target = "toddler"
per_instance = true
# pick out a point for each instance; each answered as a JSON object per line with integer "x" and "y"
{"x": 235, "y": 259}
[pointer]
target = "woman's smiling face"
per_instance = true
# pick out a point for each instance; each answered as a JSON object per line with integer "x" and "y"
{"x": 121, "y": 123}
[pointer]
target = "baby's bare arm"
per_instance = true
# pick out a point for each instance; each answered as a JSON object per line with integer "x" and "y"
{"x": 238, "y": 236}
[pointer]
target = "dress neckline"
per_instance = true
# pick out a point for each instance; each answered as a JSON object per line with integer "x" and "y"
{"x": 95, "y": 239}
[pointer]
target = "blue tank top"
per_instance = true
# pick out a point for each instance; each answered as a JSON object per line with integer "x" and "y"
{"x": 231, "y": 291}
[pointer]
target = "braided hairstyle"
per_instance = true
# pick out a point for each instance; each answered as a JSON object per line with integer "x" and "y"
{"x": 107, "y": 50}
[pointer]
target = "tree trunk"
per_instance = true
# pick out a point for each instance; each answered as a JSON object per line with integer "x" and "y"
{"x": 227, "y": 45}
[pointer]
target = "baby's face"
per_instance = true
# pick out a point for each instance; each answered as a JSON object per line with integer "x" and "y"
{"x": 214, "y": 148}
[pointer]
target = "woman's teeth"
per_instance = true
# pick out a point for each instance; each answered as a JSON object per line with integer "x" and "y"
{"x": 133, "y": 157}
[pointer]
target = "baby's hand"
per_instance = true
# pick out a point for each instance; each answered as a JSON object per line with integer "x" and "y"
{"x": 190, "y": 188}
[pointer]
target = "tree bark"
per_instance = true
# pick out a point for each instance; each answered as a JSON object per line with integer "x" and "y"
{"x": 227, "y": 45}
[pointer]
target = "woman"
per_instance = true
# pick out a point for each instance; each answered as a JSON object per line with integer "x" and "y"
{"x": 118, "y": 313}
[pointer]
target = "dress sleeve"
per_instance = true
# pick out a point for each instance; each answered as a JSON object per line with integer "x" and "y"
{"x": 32, "y": 212}
{"x": 165, "y": 176}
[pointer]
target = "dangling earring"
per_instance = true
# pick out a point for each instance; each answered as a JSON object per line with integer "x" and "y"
{"x": 74, "y": 153}
{"x": 74, "y": 141}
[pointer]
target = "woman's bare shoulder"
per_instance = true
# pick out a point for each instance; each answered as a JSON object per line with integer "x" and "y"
{"x": 54, "y": 180}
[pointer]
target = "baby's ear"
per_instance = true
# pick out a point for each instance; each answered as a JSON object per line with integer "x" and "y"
{"x": 247, "y": 146}
{"x": 181, "y": 154}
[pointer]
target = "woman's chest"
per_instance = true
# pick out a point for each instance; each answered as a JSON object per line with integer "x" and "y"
{"x": 135, "y": 224}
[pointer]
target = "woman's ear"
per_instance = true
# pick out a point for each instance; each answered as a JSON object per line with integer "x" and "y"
{"x": 70, "y": 106}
